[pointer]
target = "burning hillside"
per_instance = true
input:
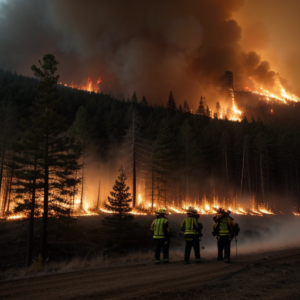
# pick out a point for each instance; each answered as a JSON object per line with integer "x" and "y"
{"x": 151, "y": 49}
{"x": 88, "y": 87}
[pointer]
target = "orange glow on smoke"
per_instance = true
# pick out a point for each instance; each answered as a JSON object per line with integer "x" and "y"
{"x": 279, "y": 93}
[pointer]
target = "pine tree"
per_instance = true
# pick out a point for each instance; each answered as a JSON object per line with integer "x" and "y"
{"x": 134, "y": 99}
{"x": 135, "y": 145}
{"x": 81, "y": 128}
{"x": 171, "y": 105}
{"x": 218, "y": 110}
{"x": 120, "y": 204}
{"x": 186, "y": 107}
{"x": 144, "y": 102}
{"x": 201, "y": 108}
{"x": 7, "y": 134}
{"x": 163, "y": 163}
{"x": 57, "y": 153}
{"x": 29, "y": 187}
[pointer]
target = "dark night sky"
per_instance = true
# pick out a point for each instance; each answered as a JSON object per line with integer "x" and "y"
{"x": 152, "y": 47}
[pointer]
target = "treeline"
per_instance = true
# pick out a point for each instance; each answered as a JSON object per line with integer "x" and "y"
{"x": 174, "y": 155}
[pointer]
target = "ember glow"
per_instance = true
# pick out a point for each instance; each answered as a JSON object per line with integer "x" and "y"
{"x": 279, "y": 93}
{"x": 88, "y": 87}
{"x": 204, "y": 206}
{"x": 19, "y": 216}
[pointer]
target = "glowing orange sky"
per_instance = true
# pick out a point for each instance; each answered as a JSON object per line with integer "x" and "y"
{"x": 271, "y": 28}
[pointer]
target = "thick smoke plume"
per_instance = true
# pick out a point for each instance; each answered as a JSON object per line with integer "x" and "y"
{"x": 150, "y": 47}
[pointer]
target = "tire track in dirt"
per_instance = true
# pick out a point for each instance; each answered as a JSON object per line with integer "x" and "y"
{"x": 128, "y": 282}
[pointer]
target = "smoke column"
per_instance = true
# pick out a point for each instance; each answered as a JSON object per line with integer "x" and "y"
{"x": 150, "y": 47}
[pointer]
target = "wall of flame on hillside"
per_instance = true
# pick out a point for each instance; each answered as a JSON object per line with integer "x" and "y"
{"x": 151, "y": 48}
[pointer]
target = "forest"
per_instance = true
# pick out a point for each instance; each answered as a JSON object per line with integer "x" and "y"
{"x": 173, "y": 156}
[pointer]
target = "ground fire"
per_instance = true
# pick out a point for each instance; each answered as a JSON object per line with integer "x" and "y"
{"x": 204, "y": 206}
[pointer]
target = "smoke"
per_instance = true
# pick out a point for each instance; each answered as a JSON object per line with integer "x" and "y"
{"x": 257, "y": 235}
{"x": 148, "y": 47}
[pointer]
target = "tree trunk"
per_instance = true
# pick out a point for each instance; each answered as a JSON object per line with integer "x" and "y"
{"x": 226, "y": 164}
{"x": 243, "y": 167}
{"x": 261, "y": 176}
{"x": 98, "y": 198}
{"x": 134, "y": 165}
{"x": 152, "y": 189}
{"x": 46, "y": 202}
{"x": 1, "y": 169}
{"x": 82, "y": 185}
{"x": 297, "y": 181}
{"x": 29, "y": 251}
{"x": 187, "y": 169}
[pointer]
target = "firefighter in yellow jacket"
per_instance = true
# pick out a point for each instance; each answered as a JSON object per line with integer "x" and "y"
{"x": 161, "y": 231}
{"x": 225, "y": 229}
{"x": 192, "y": 233}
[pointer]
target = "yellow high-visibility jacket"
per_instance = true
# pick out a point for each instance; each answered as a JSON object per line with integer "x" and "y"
{"x": 224, "y": 226}
{"x": 191, "y": 228}
{"x": 160, "y": 228}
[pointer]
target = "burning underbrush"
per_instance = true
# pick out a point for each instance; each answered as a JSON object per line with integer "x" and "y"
{"x": 84, "y": 244}
{"x": 204, "y": 207}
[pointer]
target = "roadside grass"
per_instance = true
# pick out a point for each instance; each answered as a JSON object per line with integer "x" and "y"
{"x": 100, "y": 260}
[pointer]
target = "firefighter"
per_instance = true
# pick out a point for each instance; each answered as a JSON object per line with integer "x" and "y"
{"x": 192, "y": 233}
{"x": 161, "y": 232}
{"x": 224, "y": 230}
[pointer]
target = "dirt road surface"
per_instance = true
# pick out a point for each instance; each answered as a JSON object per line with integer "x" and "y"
{"x": 266, "y": 276}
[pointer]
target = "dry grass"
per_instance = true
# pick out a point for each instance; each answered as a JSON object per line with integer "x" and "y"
{"x": 87, "y": 263}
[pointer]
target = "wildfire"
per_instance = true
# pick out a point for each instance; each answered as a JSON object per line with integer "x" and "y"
{"x": 176, "y": 210}
{"x": 281, "y": 94}
{"x": 135, "y": 212}
{"x": 204, "y": 206}
{"x": 19, "y": 216}
{"x": 89, "y": 86}
{"x": 106, "y": 211}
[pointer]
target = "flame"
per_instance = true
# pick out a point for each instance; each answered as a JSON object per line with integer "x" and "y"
{"x": 106, "y": 210}
{"x": 134, "y": 212}
{"x": 18, "y": 216}
{"x": 176, "y": 210}
{"x": 140, "y": 199}
{"x": 89, "y": 86}
{"x": 265, "y": 210}
{"x": 204, "y": 206}
{"x": 281, "y": 94}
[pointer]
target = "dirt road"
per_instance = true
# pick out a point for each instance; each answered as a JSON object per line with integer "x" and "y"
{"x": 172, "y": 281}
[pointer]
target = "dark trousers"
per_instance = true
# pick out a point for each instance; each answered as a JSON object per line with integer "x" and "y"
{"x": 224, "y": 245}
{"x": 162, "y": 244}
{"x": 195, "y": 243}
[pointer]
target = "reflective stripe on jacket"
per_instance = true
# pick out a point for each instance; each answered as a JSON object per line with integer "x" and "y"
{"x": 190, "y": 226}
{"x": 160, "y": 228}
{"x": 224, "y": 230}
{"x": 224, "y": 227}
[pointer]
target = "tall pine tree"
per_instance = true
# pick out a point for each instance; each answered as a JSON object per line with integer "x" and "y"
{"x": 120, "y": 204}
{"x": 55, "y": 153}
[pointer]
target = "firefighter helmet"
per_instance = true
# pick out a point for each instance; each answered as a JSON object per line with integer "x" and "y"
{"x": 191, "y": 210}
{"x": 161, "y": 211}
{"x": 222, "y": 211}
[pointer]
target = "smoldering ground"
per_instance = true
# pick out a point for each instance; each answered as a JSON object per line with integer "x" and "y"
{"x": 147, "y": 47}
